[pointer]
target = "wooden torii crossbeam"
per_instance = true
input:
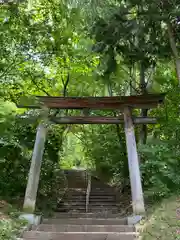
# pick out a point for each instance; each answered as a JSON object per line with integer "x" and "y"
{"x": 103, "y": 103}
{"x": 120, "y": 103}
{"x": 100, "y": 120}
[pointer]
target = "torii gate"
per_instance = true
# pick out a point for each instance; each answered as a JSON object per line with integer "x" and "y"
{"x": 123, "y": 104}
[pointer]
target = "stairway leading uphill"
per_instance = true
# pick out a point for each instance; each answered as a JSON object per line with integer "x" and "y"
{"x": 102, "y": 221}
{"x": 102, "y": 196}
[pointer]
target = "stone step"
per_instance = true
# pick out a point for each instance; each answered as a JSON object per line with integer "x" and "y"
{"x": 87, "y": 221}
{"x": 91, "y": 204}
{"x": 94, "y": 208}
{"x": 99, "y": 211}
{"x": 91, "y": 200}
{"x": 94, "y": 204}
{"x": 77, "y": 183}
{"x": 100, "y": 185}
{"x": 78, "y": 206}
{"x": 83, "y": 228}
{"x": 37, "y": 235}
{"x": 82, "y": 187}
{"x": 76, "y": 178}
{"x": 76, "y": 195}
{"x": 93, "y": 189}
{"x": 103, "y": 202}
{"x": 109, "y": 197}
{"x": 101, "y": 193}
{"x": 77, "y": 189}
{"x": 104, "y": 215}
{"x": 93, "y": 194}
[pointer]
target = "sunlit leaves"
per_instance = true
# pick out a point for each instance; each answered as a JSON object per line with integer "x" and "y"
{"x": 48, "y": 45}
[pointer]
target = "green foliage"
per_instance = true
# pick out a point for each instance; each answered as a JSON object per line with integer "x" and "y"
{"x": 17, "y": 142}
{"x": 160, "y": 157}
{"x": 159, "y": 169}
{"x": 7, "y": 113}
{"x": 9, "y": 229}
{"x": 162, "y": 221}
{"x": 102, "y": 146}
{"x": 50, "y": 50}
{"x": 72, "y": 154}
{"x": 10, "y": 224}
{"x": 127, "y": 33}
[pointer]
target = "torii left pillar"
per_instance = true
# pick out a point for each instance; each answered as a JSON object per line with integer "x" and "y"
{"x": 35, "y": 168}
{"x": 133, "y": 162}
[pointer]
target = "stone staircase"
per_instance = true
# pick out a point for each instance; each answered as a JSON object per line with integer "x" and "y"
{"x": 102, "y": 196}
{"x": 82, "y": 227}
{"x": 71, "y": 222}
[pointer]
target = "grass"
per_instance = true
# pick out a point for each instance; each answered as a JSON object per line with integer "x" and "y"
{"x": 10, "y": 224}
{"x": 163, "y": 221}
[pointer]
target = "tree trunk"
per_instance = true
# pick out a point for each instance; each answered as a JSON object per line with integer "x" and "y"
{"x": 143, "y": 131}
{"x": 133, "y": 87}
{"x": 144, "y": 112}
{"x": 118, "y": 130}
{"x": 174, "y": 50}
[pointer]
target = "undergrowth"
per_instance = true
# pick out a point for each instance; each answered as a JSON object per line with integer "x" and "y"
{"x": 163, "y": 221}
{"x": 10, "y": 224}
{"x": 10, "y": 228}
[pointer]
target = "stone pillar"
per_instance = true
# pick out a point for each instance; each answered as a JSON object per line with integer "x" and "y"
{"x": 133, "y": 162}
{"x": 34, "y": 173}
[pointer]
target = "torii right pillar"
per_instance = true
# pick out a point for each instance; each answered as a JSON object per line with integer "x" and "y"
{"x": 133, "y": 162}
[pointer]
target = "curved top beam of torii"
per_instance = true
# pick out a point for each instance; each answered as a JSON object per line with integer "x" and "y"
{"x": 105, "y": 103}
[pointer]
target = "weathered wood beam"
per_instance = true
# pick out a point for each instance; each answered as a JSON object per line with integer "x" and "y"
{"x": 105, "y": 103}
{"x": 100, "y": 120}
{"x": 134, "y": 171}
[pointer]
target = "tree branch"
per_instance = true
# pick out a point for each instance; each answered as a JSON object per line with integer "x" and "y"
{"x": 35, "y": 83}
{"x": 135, "y": 89}
{"x": 65, "y": 88}
{"x": 10, "y": 67}
{"x": 150, "y": 74}
{"x": 65, "y": 84}
{"x": 130, "y": 82}
{"x": 114, "y": 113}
